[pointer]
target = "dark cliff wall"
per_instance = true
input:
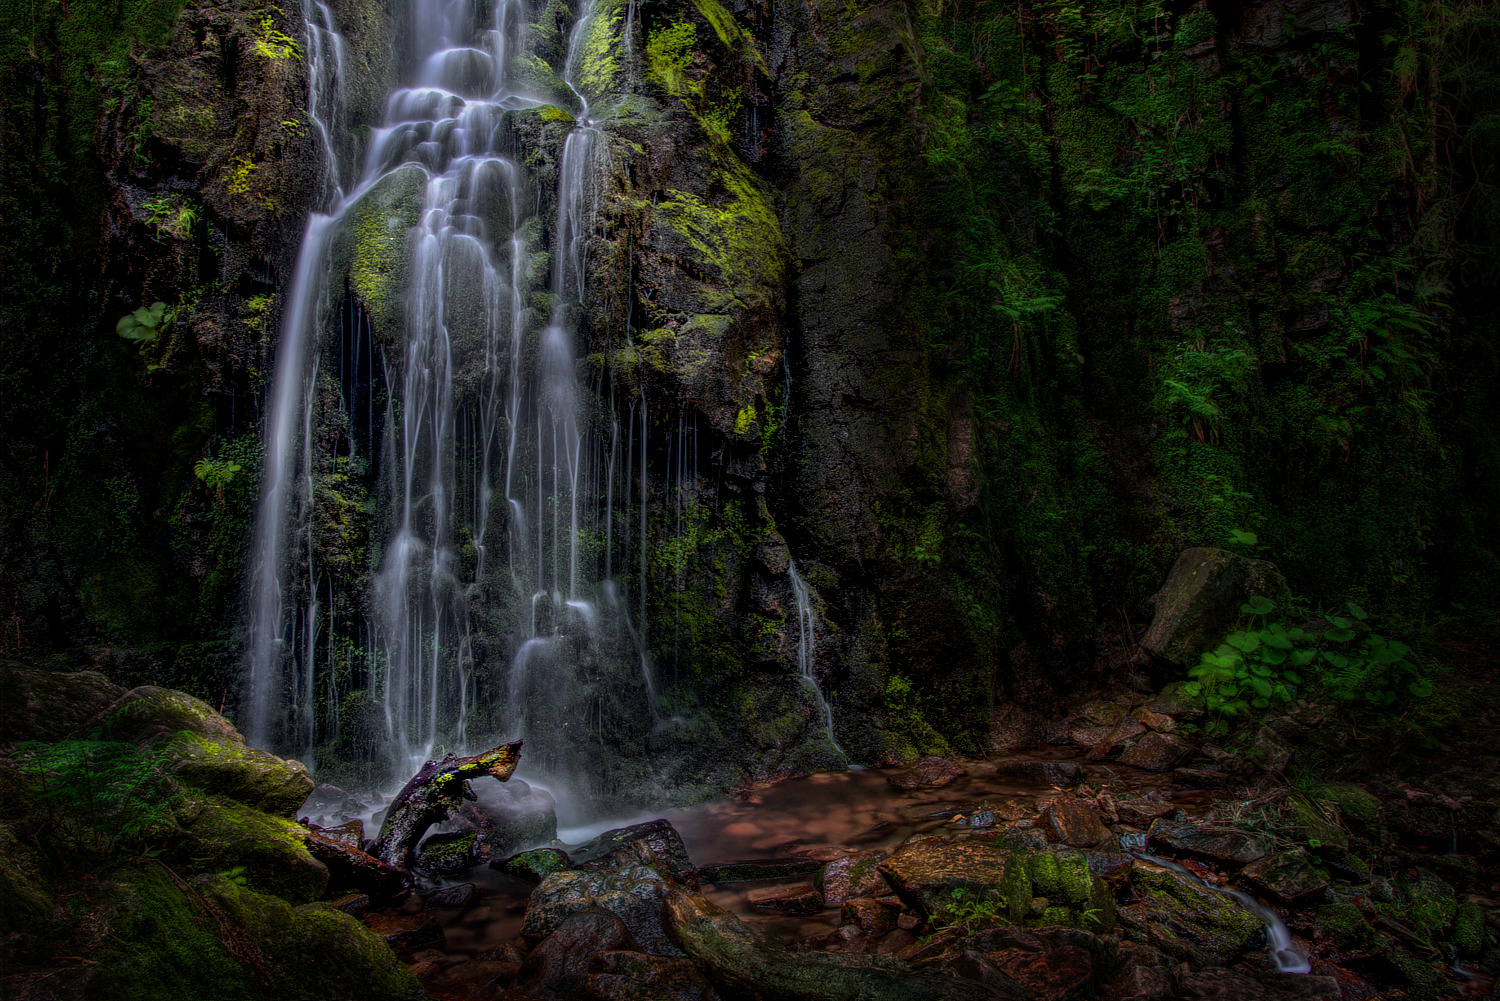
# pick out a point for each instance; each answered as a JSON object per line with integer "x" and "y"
{"x": 977, "y": 312}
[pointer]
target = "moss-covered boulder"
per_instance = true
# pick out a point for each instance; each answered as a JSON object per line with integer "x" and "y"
{"x": 146, "y": 713}
{"x": 1345, "y": 926}
{"x": 50, "y": 705}
{"x": 317, "y": 951}
{"x": 1201, "y": 600}
{"x": 224, "y": 835}
{"x": 26, "y": 901}
{"x": 211, "y": 937}
{"x": 939, "y": 880}
{"x": 1188, "y": 922}
{"x": 229, "y": 768}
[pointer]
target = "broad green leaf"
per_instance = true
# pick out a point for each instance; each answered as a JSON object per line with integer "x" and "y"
{"x": 1258, "y": 605}
{"x": 1339, "y": 622}
{"x": 1421, "y": 689}
{"x": 1262, "y": 687}
{"x": 1303, "y": 657}
{"x": 1292, "y": 676}
{"x": 1244, "y": 642}
{"x": 1356, "y": 611}
{"x": 1272, "y": 655}
{"x": 1340, "y": 634}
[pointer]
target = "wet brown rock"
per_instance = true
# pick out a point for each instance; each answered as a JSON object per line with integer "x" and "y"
{"x": 1156, "y": 752}
{"x": 558, "y": 966}
{"x": 1155, "y": 720}
{"x": 1072, "y": 822}
{"x": 1055, "y": 975}
{"x": 1051, "y": 773}
{"x": 927, "y": 877}
{"x": 1138, "y": 811}
{"x": 1288, "y": 875}
{"x": 1220, "y": 845}
{"x": 973, "y": 965}
{"x": 799, "y": 898}
{"x": 1201, "y": 778}
{"x": 1236, "y": 985}
{"x": 448, "y": 897}
{"x": 1140, "y": 982}
{"x": 929, "y": 773}
{"x": 870, "y": 916}
{"x": 854, "y": 876}
{"x": 1100, "y": 740}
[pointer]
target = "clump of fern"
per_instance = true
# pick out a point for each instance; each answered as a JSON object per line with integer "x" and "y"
{"x": 91, "y": 800}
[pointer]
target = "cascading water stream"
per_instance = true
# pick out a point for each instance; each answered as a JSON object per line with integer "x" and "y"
{"x": 806, "y": 651}
{"x": 480, "y": 402}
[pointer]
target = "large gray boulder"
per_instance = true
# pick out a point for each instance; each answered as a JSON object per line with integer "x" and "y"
{"x": 1201, "y": 601}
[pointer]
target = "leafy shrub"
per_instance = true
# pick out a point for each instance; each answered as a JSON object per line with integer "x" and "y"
{"x": 94, "y": 798}
{"x": 1266, "y": 662}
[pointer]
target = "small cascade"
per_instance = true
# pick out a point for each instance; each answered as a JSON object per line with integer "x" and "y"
{"x": 1284, "y": 952}
{"x": 807, "y": 650}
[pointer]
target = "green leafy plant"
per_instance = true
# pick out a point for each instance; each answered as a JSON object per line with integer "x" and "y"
{"x": 94, "y": 798}
{"x": 216, "y": 474}
{"x": 145, "y": 327}
{"x": 171, "y": 215}
{"x": 1266, "y": 662}
{"x": 971, "y": 911}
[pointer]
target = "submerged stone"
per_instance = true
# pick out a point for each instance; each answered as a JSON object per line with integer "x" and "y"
{"x": 1156, "y": 752}
{"x": 558, "y": 965}
{"x": 1053, "y": 773}
{"x": 929, "y": 773}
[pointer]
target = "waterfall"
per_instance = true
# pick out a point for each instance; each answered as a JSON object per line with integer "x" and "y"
{"x": 807, "y": 650}
{"x": 481, "y": 402}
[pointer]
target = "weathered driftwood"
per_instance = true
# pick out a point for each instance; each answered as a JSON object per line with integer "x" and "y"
{"x": 742, "y": 965}
{"x": 434, "y": 792}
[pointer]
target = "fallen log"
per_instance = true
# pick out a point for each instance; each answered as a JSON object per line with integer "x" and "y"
{"x": 431, "y": 795}
{"x": 352, "y": 868}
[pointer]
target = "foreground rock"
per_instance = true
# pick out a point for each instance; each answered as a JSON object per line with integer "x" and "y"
{"x": 740, "y": 964}
{"x": 1188, "y": 922}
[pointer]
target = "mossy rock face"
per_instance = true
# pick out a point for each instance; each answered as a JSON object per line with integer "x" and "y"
{"x": 1184, "y": 920}
{"x": 317, "y": 951}
{"x": 937, "y": 880}
{"x": 1358, "y": 808}
{"x": 26, "y": 902}
{"x": 1064, "y": 880}
{"x": 534, "y": 866}
{"x": 148, "y": 712}
{"x": 1344, "y": 925}
{"x": 1201, "y": 600}
{"x": 165, "y": 942}
{"x": 50, "y": 705}
{"x": 1314, "y": 826}
{"x": 227, "y": 767}
{"x": 224, "y": 834}
{"x": 1468, "y": 929}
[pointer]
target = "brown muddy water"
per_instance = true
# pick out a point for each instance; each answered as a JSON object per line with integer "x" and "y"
{"x": 821, "y": 816}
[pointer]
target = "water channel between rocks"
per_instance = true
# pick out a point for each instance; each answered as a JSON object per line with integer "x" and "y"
{"x": 820, "y": 816}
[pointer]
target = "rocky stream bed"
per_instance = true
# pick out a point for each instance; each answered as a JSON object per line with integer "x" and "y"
{"x": 1121, "y": 857}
